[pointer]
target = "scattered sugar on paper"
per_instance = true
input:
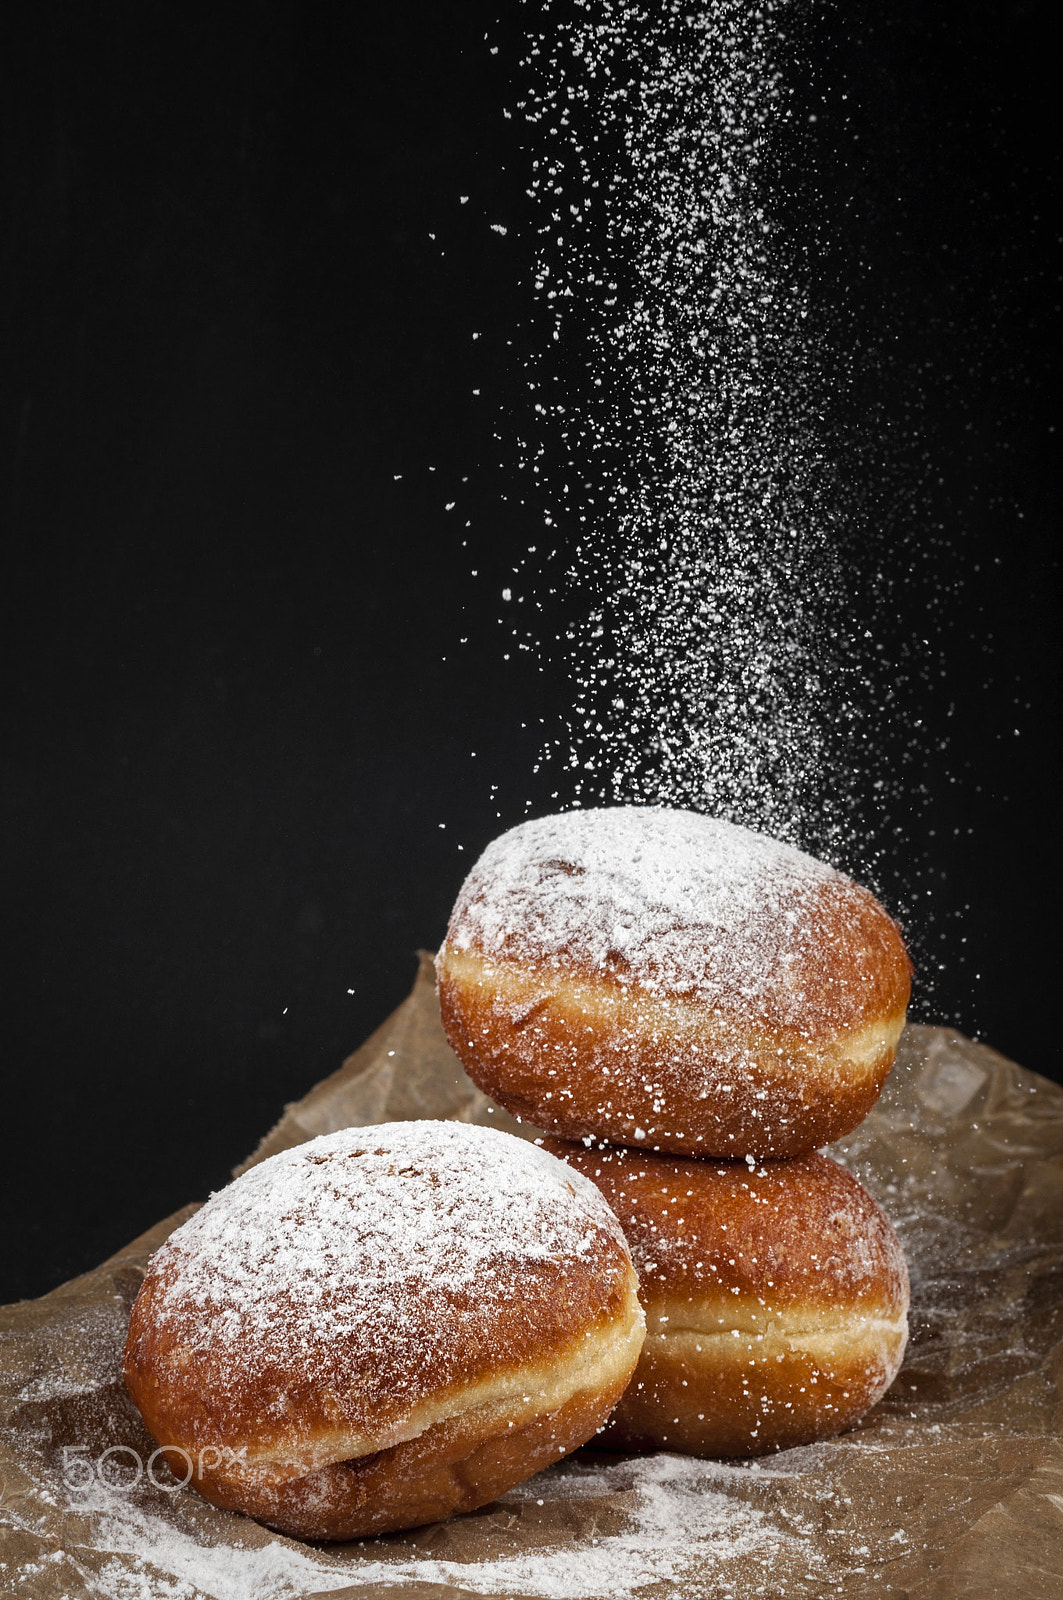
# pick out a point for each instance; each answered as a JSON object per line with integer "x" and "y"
{"x": 676, "y": 1523}
{"x": 161, "y": 1561}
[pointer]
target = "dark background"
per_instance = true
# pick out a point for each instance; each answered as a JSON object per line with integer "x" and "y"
{"x": 238, "y": 382}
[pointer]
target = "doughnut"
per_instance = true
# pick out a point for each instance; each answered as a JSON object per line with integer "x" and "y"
{"x": 659, "y": 978}
{"x": 776, "y": 1300}
{"x": 382, "y": 1327}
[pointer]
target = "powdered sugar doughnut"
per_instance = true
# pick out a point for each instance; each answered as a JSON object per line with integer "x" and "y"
{"x": 776, "y": 1300}
{"x": 384, "y": 1326}
{"x": 657, "y": 977}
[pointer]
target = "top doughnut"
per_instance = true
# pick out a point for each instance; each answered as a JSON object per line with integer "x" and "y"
{"x": 664, "y": 979}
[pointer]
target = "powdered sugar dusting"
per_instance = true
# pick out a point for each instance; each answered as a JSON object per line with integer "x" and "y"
{"x": 368, "y": 1239}
{"x": 674, "y": 901}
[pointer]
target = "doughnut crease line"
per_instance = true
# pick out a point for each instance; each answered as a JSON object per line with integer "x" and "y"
{"x": 522, "y": 999}
{"x": 823, "y": 1343}
{"x": 594, "y": 1362}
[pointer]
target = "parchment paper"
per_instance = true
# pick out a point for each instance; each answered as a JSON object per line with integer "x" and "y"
{"x": 952, "y": 1486}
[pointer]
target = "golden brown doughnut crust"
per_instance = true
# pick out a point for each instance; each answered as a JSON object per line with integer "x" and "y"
{"x": 662, "y": 979}
{"x": 384, "y": 1326}
{"x": 776, "y": 1300}
{"x": 454, "y": 1466}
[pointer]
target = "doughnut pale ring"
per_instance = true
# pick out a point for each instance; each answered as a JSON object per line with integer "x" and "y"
{"x": 664, "y": 979}
{"x": 384, "y": 1326}
{"x": 776, "y": 1300}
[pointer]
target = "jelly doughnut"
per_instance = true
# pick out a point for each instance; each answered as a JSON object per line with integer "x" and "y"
{"x": 659, "y": 978}
{"x": 382, "y": 1327}
{"x": 776, "y": 1300}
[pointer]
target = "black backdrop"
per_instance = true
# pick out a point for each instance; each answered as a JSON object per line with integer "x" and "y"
{"x": 237, "y": 397}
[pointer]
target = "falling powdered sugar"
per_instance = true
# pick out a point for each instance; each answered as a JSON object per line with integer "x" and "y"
{"x": 677, "y": 443}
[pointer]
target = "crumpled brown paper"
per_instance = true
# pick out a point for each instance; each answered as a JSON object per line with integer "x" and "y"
{"x": 952, "y": 1486}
